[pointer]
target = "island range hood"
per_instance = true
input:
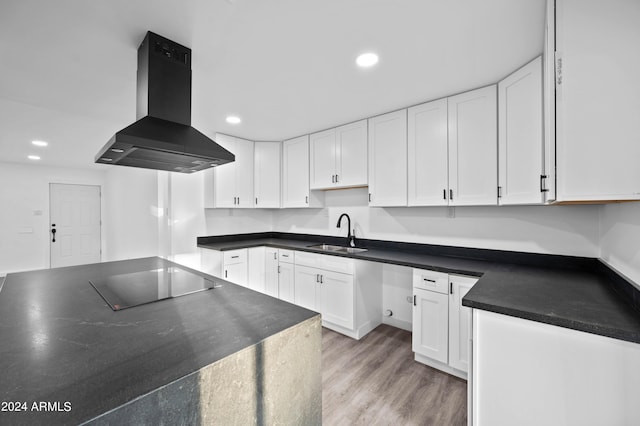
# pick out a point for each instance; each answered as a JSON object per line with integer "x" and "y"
{"x": 162, "y": 138}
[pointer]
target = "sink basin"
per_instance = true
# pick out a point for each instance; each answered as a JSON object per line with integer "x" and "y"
{"x": 337, "y": 249}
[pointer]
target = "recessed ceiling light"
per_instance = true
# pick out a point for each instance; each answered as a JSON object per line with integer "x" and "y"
{"x": 107, "y": 159}
{"x": 33, "y": 157}
{"x": 40, "y": 143}
{"x": 367, "y": 60}
{"x": 118, "y": 150}
{"x": 232, "y": 119}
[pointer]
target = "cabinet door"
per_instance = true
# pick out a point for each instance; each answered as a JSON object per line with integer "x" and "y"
{"x": 306, "y": 287}
{"x": 336, "y": 296}
{"x": 430, "y": 324}
{"x": 549, "y": 101}
{"x": 597, "y": 100}
{"x": 351, "y": 155}
{"x": 295, "y": 172}
{"x": 236, "y": 273}
{"x": 428, "y": 179}
{"x": 473, "y": 148}
{"x": 459, "y": 322}
{"x": 256, "y": 273}
{"x": 271, "y": 272}
{"x": 322, "y": 152}
{"x": 286, "y": 282}
{"x": 266, "y": 179}
{"x": 211, "y": 262}
{"x": 244, "y": 173}
{"x": 224, "y": 182}
{"x": 520, "y": 136}
{"x": 388, "y": 159}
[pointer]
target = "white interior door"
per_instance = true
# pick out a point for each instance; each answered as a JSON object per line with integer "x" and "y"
{"x": 75, "y": 217}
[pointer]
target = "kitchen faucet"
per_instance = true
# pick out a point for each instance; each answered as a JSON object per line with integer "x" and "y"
{"x": 351, "y": 238}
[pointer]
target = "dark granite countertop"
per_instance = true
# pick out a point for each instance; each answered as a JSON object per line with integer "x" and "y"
{"x": 572, "y": 292}
{"x": 60, "y": 342}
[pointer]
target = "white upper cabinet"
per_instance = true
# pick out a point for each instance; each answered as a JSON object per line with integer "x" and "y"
{"x": 521, "y": 173}
{"x": 473, "y": 146}
{"x": 322, "y": 172}
{"x": 388, "y": 159}
{"x": 339, "y": 157}
{"x": 266, "y": 184}
{"x": 233, "y": 182}
{"x": 351, "y": 155}
{"x": 295, "y": 174}
{"x": 597, "y": 100}
{"x": 428, "y": 175}
{"x": 452, "y": 150}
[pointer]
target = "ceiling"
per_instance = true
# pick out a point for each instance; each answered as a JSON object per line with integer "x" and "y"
{"x": 286, "y": 67}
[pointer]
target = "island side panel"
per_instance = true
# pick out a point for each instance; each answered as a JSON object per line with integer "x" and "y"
{"x": 277, "y": 381}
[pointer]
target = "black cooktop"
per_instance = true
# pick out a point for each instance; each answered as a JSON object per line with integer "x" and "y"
{"x": 138, "y": 288}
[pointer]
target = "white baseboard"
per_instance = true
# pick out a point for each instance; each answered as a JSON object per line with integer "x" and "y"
{"x": 398, "y": 323}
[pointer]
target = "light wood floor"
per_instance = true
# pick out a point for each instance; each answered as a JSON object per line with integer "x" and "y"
{"x": 375, "y": 381}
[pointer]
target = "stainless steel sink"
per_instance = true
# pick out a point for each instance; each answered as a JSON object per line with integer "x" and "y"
{"x": 337, "y": 249}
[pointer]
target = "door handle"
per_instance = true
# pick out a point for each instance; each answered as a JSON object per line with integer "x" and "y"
{"x": 53, "y": 231}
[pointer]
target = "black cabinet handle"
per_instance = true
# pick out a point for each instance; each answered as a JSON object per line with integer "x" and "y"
{"x": 451, "y": 287}
{"x": 451, "y": 194}
{"x": 225, "y": 273}
{"x": 414, "y": 300}
{"x": 444, "y": 194}
{"x": 306, "y": 199}
{"x": 429, "y": 280}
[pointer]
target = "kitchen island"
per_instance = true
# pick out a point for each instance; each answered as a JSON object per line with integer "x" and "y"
{"x": 223, "y": 355}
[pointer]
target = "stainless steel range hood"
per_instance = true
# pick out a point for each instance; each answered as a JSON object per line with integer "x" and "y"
{"x": 162, "y": 138}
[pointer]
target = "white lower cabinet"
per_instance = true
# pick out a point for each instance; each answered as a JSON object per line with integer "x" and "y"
{"x": 337, "y": 299}
{"x": 440, "y": 322}
{"x": 306, "y": 287}
{"x": 431, "y": 324}
{"x": 256, "y": 268}
{"x": 235, "y": 266}
{"x": 346, "y": 292}
{"x": 286, "y": 281}
{"x": 271, "y": 271}
{"x": 459, "y": 317}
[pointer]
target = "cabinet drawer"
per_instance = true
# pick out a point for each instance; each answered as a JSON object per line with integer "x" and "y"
{"x": 235, "y": 256}
{"x": 431, "y": 280}
{"x": 329, "y": 263}
{"x": 286, "y": 256}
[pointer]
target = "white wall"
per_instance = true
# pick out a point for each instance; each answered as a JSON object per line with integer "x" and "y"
{"x": 620, "y": 238}
{"x": 24, "y": 212}
{"x": 131, "y": 205}
{"x": 568, "y": 230}
{"x": 238, "y": 221}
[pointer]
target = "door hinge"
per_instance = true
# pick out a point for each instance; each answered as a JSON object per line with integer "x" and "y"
{"x": 543, "y": 183}
{"x": 499, "y": 192}
{"x": 278, "y": 268}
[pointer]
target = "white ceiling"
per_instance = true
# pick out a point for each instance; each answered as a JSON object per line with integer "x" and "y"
{"x": 287, "y": 67}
